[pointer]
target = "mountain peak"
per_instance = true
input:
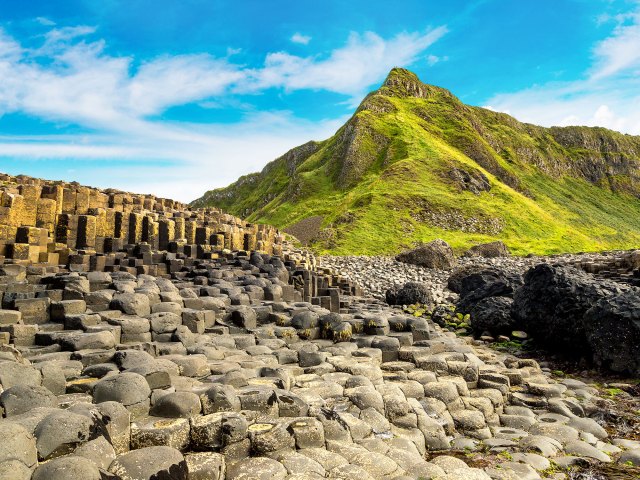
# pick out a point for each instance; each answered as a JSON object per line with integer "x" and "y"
{"x": 404, "y": 83}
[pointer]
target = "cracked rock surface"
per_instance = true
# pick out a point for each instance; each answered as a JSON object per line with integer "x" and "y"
{"x": 224, "y": 371}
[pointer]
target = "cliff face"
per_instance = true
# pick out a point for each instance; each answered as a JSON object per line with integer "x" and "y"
{"x": 414, "y": 163}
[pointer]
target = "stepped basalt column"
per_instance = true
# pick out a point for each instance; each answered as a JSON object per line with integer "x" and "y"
{"x": 49, "y": 222}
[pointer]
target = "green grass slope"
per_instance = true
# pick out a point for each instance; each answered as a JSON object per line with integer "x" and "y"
{"x": 414, "y": 164}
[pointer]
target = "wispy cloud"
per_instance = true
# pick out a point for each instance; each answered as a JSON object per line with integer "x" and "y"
{"x": 71, "y": 78}
{"x": 607, "y": 95}
{"x": 350, "y": 70}
{"x": 299, "y": 38}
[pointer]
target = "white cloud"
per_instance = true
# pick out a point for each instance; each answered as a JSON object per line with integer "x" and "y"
{"x": 72, "y": 79}
{"x": 620, "y": 51}
{"x": 299, "y": 38}
{"x": 45, "y": 21}
{"x": 607, "y": 96}
{"x": 348, "y": 70}
{"x": 432, "y": 60}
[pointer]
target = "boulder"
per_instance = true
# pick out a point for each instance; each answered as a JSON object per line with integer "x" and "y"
{"x": 488, "y": 250}
{"x": 131, "y": 303}
{"x": 436, "y": 254}
{"x": 492, "y": 314}
{"x": 612, "y": 330}
{"x": 552, "y": 304}
{"x": 410, "y": 294}
{"x": 151, "y": 463}
{"x": 22, "y": 398}
{"x": 485, "y": 283}
{"x": 64, "y": 468}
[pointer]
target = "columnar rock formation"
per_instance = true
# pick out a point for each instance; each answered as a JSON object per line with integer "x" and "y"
{"x": 52, "y": 222}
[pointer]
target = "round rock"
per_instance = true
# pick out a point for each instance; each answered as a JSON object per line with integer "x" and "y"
{"x": 127, "y": 388}
{"x": 150, "y": 463}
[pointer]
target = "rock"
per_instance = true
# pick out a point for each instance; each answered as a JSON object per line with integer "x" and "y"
{"x": 484, "y": 284}
{"x": 206, "y": 466}
{"x": 65, "y": 468}
{"x": 612, "y": 331}
{"x": 177, "y": 405}
{"x": 131, "y": 304}
{"x": 151, "y": 463}
{"x": 60, "y": 432}
{"x": 630, "y": 457}
{"x": 411, "y": 293}
{"x": 245, "y": 317}
{"x": 128, "y": 388}
{"x": 436, "y": 254}
{"x": 492, "y": 314}
{"x": 156, "y": 431}
{"x": 98, "y": 450}
{"x": 488, "y": 250}
{"x": 553, "y": 302}
{"x": 14, "y": 470}
{"x": 22, "y": 398}
{"x": 259, "y": 468}
{"x": 18, "y": 444}
{"x": 12, "y": 373}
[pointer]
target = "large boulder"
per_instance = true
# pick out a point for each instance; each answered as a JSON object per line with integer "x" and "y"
{"x": 612, "y": 330}
{"x": 493, "y": 315}
{"x": 485, "y": 283}
{"x": 436, "y": 254}
{"x": 410, "y": 294}
{"x": 553, "y": 302}
{"x": 488, "y": 250}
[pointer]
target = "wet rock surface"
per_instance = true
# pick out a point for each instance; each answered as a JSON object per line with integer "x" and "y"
{"x": 252, "y": 366}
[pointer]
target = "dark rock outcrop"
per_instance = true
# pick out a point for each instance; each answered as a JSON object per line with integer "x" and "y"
{"x": 483, "y": 284}
{"x": 552, "y": 304}
{"x": 493, "y": 315}
{"x": 612, "y": 330}
{"x": 410, "y": 294}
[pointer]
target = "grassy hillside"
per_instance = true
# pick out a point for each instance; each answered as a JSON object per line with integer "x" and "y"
{"x": 414, "y": 164}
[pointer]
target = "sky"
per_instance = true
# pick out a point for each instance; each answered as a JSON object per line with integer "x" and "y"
{"x": 175, "y": 98}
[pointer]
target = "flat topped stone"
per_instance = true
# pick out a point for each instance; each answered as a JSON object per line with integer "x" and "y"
{"x": 150, "y": 463}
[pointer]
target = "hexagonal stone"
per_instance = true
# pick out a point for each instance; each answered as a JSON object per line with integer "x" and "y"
{"x": 256, "y": 468}
{"x": 12, "y": 373}
{"x": 60, "y": 432}
{"x": 206, "y": 466}
{"x": 151, "y": 463}
{"x": 131, "y": 303}
{"x": 217, "y": 430}
{"x": 156, "y": 431}
{"x": 68, "y": 467}
{"x": 18, "y": 444}
{"x": 22, "y": 398}
{"x": 127, "y": 388}
{"x": 177, "y": 405}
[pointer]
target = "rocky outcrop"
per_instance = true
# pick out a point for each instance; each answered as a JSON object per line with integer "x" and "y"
{"x": 52, "y": 221}
{"x": 576, "y": 314}
{"x": 612, "y": 331}
{"x": 553, "y": 302}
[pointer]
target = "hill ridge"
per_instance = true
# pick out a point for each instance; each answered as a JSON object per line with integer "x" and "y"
{"x": 542, "y": 190}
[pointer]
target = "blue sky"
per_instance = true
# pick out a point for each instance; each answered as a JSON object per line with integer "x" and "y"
{"x": 174, "y": 98}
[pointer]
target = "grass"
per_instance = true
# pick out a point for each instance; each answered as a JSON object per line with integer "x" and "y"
{"x": 383, "y": 182}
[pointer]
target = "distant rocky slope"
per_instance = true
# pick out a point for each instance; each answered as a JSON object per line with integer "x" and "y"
{"x": 414, "y": 163}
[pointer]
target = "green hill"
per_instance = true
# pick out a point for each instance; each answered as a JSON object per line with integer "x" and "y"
{"x": 414, "y": 163}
